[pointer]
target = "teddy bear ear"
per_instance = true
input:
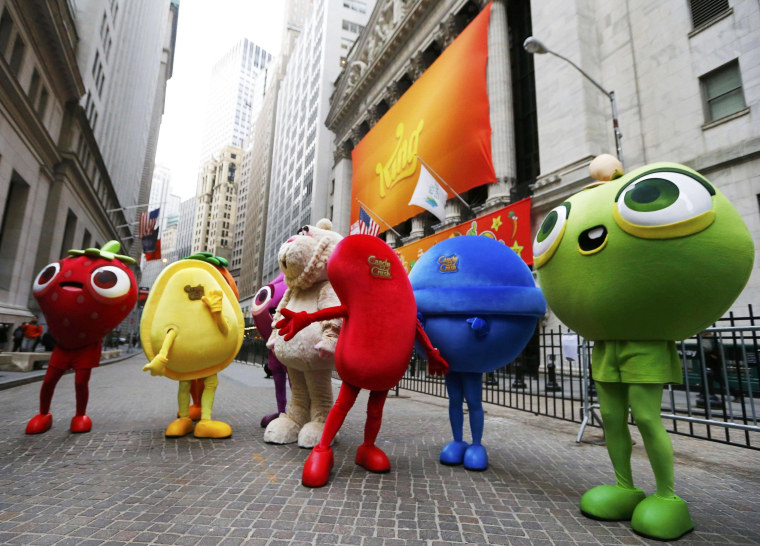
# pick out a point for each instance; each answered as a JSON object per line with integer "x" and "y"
{"x": 324, "y": 223}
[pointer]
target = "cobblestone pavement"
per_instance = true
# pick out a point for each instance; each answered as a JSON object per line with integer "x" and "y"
{"x": 125, "y": 483}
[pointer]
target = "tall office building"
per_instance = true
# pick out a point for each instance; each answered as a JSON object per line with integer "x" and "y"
{"x": 185, "y": 230}
{"x": 164, "y": 74}
{"x": 120, "y": 52}
{"x": 168, "y": 204}
{"x": 253, "y": 190}
{"x": 217, "y": 203}
{"x": 232, "y": 100}
{"x": 303, "y": 146}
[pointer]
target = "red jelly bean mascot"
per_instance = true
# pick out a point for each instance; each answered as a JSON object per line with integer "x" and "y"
{"x": 377, "y": 305}
{"x": 83, "y": 297}
{"x": 264, "y": 307}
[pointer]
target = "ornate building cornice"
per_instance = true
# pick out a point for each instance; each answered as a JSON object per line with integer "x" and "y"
{"x": 390, "y": 45}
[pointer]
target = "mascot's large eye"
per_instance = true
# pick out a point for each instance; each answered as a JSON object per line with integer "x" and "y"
{"x": 550, "y": 234}
{"x": 110, "y": 281}
{"x": 261, "y": 300}
{"x": 46, "y": 276}
{"x": 665, "y": 204}
{"x": 304, "y": 231}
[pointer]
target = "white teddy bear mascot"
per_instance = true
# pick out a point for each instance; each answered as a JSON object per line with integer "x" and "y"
{"x": 310, "y": 355}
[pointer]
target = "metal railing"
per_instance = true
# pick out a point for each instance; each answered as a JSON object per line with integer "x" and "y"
{"x": 718, "y": 401}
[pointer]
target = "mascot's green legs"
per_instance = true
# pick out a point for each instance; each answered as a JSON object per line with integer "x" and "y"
{"x": 662, "y": 515}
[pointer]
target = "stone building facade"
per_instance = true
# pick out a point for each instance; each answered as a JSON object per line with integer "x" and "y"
{"x": 662, "y": 61}
{"x": 57, "y": 185}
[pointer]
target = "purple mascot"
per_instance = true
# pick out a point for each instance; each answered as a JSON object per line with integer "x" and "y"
{"x": 264, "y": 306}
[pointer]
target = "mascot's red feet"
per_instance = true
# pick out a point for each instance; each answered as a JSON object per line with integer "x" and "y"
{"x": 39, "y": 423}
{"x": 81, "y": 423}
{"x": 316, "y": 470}
{"x": 373, "y": 459}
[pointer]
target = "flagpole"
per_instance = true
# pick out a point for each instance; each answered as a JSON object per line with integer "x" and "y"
{"x": 133, "y": 207}
{"x": 440, "y": 179}
{"x": 379, "y": 218}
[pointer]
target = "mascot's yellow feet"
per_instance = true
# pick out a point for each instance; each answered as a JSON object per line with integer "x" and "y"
{"x": 206, "y": 428}
{"x": 179, "y": 427}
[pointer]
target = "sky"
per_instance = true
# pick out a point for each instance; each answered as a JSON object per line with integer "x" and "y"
{"x": 206, "y": 30}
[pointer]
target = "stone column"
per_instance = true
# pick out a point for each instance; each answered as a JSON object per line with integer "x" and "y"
{"x": 418, "y": 230}
{"x": 416, "y": 67}
{"x": 391, "y": 94}
{"x": 499, "y": 83}
{"x": 341, "y": 197}
{"x": 447, "y": 31}
{"x": 453, "y": 211}
{"x": 392, "y": 240}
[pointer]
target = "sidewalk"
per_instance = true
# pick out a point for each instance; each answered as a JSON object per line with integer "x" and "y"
{"x": 124, "y": 482}
{"x": 14, "y": 379}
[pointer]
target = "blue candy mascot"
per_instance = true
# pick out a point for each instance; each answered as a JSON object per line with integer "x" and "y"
{"x": 479, "y": 305}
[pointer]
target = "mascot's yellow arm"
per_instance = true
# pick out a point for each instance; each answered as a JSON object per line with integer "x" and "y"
{"x": 214, "y": 303}
{"x": 157, "y": 366}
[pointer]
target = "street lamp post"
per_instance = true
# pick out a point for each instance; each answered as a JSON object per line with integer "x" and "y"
{"x": 534, "y": 45}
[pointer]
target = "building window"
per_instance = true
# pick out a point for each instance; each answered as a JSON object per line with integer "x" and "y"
{"x": 11, "y": 228}
{"x": 17, "y": 55}
{"x": 352, "y": 27}
{"x": 86, "y": 239}
{"x": 6, "y": 26}
{"x": 68, "y": 233}
{"x": 722, "y": 91}
{"x": 42, "y": 102}
{"x": 705, "y": 11}
{"x": 34, "y": 85}
{"x": 356, "y": 5}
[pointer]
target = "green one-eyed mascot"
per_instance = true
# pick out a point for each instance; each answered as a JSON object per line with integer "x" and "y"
{"x": 636, "y": 263}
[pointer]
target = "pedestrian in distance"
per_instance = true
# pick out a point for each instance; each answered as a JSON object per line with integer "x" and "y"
{"x": 18, "y": 337}
{"x": 48, "y": 341}
{"x": 32, "y": 332}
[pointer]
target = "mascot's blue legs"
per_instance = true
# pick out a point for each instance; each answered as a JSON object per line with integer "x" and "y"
{"x": 461, "y": 387}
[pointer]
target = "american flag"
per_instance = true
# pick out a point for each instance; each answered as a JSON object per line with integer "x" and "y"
{"x": 149, "y": 234}
{"x": 148, "y": 223}
{"x": 367, "y": 224}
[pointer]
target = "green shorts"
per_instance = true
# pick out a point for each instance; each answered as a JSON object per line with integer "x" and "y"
{"x": 636, "y": 362}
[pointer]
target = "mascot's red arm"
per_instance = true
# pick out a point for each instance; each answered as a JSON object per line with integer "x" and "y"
{"x": 292, "y": 323}
{"x": 437, "y": 365}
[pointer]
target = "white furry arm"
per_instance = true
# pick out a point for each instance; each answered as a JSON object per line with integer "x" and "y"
{"x": 330, "y": 328}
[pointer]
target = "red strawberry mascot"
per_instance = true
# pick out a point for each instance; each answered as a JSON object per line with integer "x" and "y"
{"x": 83, "y": 297}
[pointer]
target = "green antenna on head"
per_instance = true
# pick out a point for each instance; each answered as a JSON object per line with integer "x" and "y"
{"x": 107, "y": 252}
{"x": 209, "y": 258}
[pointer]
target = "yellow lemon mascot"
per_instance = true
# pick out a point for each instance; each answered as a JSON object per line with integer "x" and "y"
{"x": 191, "y": 328}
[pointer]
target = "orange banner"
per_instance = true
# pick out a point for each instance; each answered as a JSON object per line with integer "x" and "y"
{"x": 443, "y": 119}
{"x": 510, "y": 225}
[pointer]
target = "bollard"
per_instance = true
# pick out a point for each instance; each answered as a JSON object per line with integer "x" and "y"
{"x": 714, "y": 400}
{"x": 518, "y": 383}
{"x": 551, "y": 381}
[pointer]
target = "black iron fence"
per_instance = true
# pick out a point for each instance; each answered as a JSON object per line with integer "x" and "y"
{"x": 719, "y": 399}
